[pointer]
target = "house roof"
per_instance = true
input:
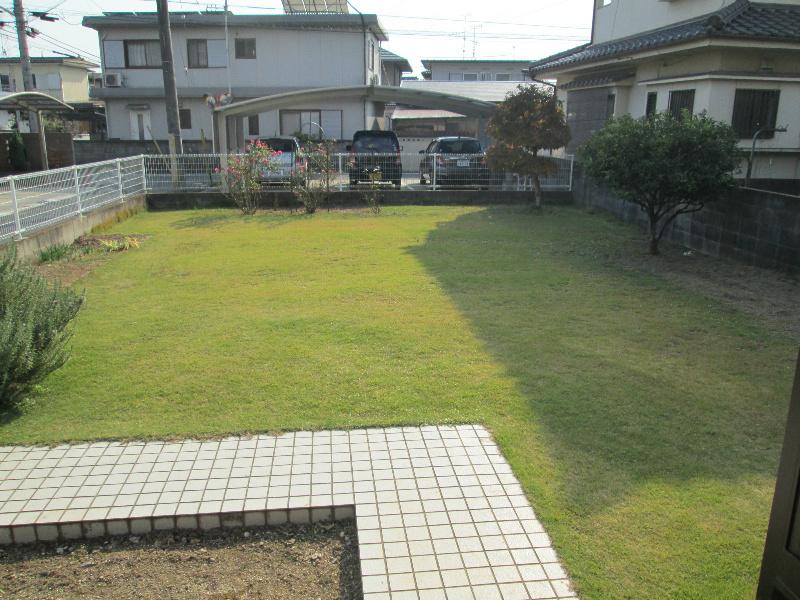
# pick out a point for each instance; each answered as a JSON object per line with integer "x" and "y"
{"x": 487, "y": 91}
{"x": 217, "y": 19}
{"x": 743, "y": 20}
{"x": 428, "y": 62}
{"x": 391, "y": 57}
{"x": 69, "y": 61}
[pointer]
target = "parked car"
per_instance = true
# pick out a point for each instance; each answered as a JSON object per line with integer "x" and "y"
{"x": 458, "y": 161}
{"x": 284, "y": 166}
{"x": 375, "y": 156}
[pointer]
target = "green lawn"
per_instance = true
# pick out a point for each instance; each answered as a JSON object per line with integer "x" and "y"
{"x": 644, "y": 421}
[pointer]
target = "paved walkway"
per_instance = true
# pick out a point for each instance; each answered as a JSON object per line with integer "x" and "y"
{"x": 440, "y": 515}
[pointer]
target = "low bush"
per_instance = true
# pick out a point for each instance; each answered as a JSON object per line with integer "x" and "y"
{"x": 54, "y": 253}
{"x": 34, "y": 333}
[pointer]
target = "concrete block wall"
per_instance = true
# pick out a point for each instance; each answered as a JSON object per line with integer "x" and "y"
{"x": 755, "y": 227}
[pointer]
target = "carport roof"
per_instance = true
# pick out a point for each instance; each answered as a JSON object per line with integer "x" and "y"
{"x": 32, "y": 101}
{"x": 384, "y": 94}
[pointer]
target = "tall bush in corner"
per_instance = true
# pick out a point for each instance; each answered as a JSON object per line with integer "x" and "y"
{"x": 667, "y": 165}
{"x": 528, "y": 121}
{"x": 33, "y": 328}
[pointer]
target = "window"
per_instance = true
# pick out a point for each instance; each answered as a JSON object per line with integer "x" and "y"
{"x": 372, "y": 55}
{"x": 754, "y": 109}
{"x": 301, "y": 121}
{"x": 503, "y": 77}
{"x": 681, "y": 100}
{"x": 611, "y": 104}
{"x": 455, "y": 76}
{"x": 252, "y": 124}
{"x": 486, "y": 76}
{"x": 33, "y": 81}
{"x": 5, "y": 83}
{"x": 197, "y": 51}
{"x": 142, "y": 54}
{"x": 185, "y": 116}
{"x": 652, "y": 101}
{"x": 245, "y": 47}
{"x": 470, "y": 77}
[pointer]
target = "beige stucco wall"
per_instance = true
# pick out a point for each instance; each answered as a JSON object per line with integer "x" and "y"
{"x": 73, "y": 81}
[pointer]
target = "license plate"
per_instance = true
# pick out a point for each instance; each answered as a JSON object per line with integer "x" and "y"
{"x": 463, "y": 163}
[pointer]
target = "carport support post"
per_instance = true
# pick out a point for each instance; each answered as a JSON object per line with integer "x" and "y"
{"x": 341, "y": 172}
{"x": 12, "y": 186}
{"x": 42, "y": 141}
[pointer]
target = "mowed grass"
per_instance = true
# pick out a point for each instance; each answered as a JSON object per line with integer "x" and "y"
{"x": 643, "y": 420}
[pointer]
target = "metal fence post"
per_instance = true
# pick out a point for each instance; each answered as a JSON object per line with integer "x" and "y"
{"x": 144, "y": 174}
{"x": 17, "y": 223}
{"x": 571, "y": 171}
{"x": 77, "y": 188}
{"x": 119, "y": 180}
{"x": 433, "y": 177}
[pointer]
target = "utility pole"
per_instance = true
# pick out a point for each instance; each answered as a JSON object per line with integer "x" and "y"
{"x": 25, "y": 60}
{"x": 170, "y": 89}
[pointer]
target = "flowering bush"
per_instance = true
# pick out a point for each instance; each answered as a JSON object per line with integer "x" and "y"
{"x": 245, "y": 172}
{"x": 311, "y": 182}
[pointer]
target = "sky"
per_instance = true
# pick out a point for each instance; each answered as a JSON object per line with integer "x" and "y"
{"x": 417, "y": 29}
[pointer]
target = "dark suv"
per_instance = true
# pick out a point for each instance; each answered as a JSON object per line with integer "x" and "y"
{"x": 375, "y": 156}
{"x": 458, "y": 161}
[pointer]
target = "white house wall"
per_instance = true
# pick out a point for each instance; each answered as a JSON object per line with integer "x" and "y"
{"x": 290, "y": 58}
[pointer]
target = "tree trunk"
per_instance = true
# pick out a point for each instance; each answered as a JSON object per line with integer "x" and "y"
{"x": 653, "y": 236}
{"x": 537, "y": 191}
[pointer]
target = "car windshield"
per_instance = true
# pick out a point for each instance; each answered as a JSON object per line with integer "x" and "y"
{"x": 377, "y": 144}
{"x": 280, "y": 145}
{"x": 460, "y": 147}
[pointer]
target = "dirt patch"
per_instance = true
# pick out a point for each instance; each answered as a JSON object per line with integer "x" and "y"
{"x": 85, "y": 254}
{"x": 293, "y": 562}
{"x": 769, "y": 295}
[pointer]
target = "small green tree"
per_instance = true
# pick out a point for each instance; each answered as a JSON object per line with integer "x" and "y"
{"x": 33, "y": 328}
{"x": 529, "y": 121}
{"x": 667, "y": 165}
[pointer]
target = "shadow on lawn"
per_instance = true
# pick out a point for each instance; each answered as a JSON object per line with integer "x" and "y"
{"x": 620, "y": 402}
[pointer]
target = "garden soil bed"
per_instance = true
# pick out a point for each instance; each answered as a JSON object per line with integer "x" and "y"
{"x": 292, "y": 562}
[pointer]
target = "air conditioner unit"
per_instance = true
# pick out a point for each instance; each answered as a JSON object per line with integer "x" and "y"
{"x": 112, "y": 80}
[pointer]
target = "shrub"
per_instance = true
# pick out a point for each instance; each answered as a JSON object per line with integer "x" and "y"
{"x": 667, "y": 165}
{"x": 54, "y": 253}
{"x": 17, "y": 155}
{"x": 311, "y": 183}
{"x": 244, "y": 174}
{"x": 33, "y": 328}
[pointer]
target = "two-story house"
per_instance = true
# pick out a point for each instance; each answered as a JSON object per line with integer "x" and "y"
{"x": 737, "y": 60}
{"x": 64, "y": 78}
{"x": 261, "y": 55}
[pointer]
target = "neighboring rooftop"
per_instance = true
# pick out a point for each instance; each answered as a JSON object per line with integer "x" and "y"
{"x": 742, "y": 20}
{"x": 487, "y": 91}
{"x": 427, "y": 62}
{"x": 70, "y": 61}
{"x": 390, "y": 57}
{"x": 217, "y": 19}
